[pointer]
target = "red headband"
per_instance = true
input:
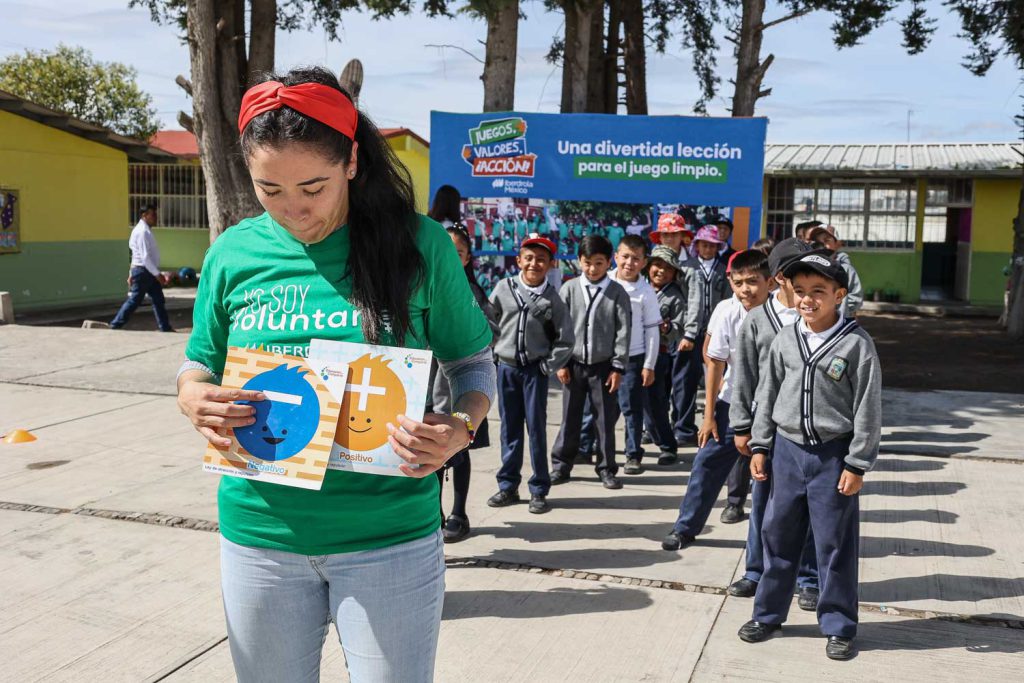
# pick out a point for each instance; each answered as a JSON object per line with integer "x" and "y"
{"x": 321, "y": 102}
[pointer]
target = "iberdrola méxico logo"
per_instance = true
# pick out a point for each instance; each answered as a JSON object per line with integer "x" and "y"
{"x": 498, "y": 148}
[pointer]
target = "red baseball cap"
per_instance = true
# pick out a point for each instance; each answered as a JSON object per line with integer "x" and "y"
{"x": 535, "y": 240}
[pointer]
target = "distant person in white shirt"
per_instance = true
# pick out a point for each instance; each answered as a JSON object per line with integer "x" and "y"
{"x": 144, "y": 273}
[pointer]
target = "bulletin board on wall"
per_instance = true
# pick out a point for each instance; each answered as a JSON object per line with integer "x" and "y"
{"x": 10, "y": 224}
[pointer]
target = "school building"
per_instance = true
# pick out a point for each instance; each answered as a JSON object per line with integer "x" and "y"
{"x": 63, "y": 202}
{"x": 921, "y": 221}
{"x": 178, "y": 189}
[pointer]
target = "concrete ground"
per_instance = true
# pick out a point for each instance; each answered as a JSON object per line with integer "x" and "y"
{"x": 109, "y": 557}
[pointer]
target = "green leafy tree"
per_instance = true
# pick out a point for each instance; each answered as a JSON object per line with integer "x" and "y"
{"x": 70, "y": 80}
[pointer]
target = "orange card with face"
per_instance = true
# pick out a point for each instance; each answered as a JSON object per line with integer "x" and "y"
{"x": 382, "y": 383}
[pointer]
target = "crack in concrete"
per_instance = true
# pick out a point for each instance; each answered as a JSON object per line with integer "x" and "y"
{"x": 196, "y": 524}
{"x": 92, "y": 389}
{"x": 102, "y": 362}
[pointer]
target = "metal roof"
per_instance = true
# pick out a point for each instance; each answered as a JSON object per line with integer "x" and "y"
{"x": 137, "y": 150}
{"x": 974, "y": 159}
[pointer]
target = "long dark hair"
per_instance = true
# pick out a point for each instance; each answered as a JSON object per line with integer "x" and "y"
{"x": 385, "y": 265}
{"x": 447, "y": 205}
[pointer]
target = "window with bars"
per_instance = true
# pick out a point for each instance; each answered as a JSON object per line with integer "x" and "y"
{"x": 872, "y": 214}
{"x": 178, "y": 190}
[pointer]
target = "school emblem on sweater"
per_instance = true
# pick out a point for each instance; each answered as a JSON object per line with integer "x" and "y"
{"x": 837, "y": 368}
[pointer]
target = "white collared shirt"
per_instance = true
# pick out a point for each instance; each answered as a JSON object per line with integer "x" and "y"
{"x": 816, "y": 339}
{"x": 723, "y": 334}
{"x": 645, "y": 319}
{"x": 592, "y": 291}
{"x": 145, "y": 251}
{"x": 787, "y": 315}
{"x": 536, "y": 291}
{"x": 707, "y": 265}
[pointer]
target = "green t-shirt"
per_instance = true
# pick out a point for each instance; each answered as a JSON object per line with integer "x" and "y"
{"x": 260, "y": 287}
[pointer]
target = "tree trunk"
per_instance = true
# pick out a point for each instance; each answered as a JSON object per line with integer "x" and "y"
{"x": 597, "y": 63}
{"x": 262, "y": 25}
{"x": 635, "y": 57}
{"x": 499, "y": 75}
{"x": 217, "y": 96}
{"x": 568, "y": 53}
{"x": 1015, "y": 312}
{"x": 579, "y": 67}
{"x": 612, "y": 50}
{"x": 749, "y": 68}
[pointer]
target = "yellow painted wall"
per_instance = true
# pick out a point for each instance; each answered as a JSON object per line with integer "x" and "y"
{"x": 995, "y": 206}
{"x": 416, "y": 157}
{"x": 70, "y": 188}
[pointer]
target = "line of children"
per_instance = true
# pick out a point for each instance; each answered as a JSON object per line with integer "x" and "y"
{"x": 535, "y": 340}
{"x": 818, "y": 422}
{"x": 748, "y": 279}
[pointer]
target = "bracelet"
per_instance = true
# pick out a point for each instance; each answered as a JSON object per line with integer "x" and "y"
{"x": 469, "y": 424}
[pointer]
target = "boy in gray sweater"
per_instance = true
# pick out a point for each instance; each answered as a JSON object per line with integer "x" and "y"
{"x": 535, "y": 339}
{"x": 820, "y": 406}
{"x": 662, "y": 272}
{"x": 601, "y": 317}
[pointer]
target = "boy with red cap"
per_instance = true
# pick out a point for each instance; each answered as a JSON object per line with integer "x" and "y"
{"x": 535, "y": 340}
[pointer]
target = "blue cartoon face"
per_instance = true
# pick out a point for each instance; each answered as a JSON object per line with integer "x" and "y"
{"x": 287, "y": 420}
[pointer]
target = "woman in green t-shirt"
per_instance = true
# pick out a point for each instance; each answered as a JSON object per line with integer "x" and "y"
{"x": 339, "y": 254}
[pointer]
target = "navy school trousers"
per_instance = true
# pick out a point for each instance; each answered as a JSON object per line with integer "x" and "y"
{"x": 687, "y": 369}
{"x": 804, "y": 493}
{"x": 586, "y": 380}
{"x": 707, "y": 476}
{"x": 523, "y": 398}
{"x": 657, "y": 400}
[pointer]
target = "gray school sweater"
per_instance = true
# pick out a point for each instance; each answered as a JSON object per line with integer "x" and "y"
{"x": 673, "y": 309}
{"x": 855, "y": 292}
{"x": 704, "y": 292}
{"x": 602, "y": 326}
{"x": 814, "y": 398}
{"x": 755, "y": 338}
{"x": 531, "y": 328}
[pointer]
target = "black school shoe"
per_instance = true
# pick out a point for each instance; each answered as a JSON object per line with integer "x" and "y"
{"x": 503, "y": 499}
{"x": 755, "y": 631}
{"x": 840, "y": 648}
{"x": 455, "y": 528}
{"x": 559, "y": 477}
{"x": 676, "y": 540}
{"x": 807, "y": 599}
{"x": 539, "y": 504}
{"x": 732, "y": 514}
{"x": 744, "y": 588}
{"x": 609, "y": 481}
{"x": 633, "y": 466}
{"x": 667, "y": 458}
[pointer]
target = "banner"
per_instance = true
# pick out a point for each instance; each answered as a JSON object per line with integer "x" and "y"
{"x": 601, "y": 157}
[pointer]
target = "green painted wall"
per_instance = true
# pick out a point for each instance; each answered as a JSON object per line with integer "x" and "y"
{"x": 56, "y": 274}
{"x": 988, "y": 283}
{"x": 900, "y": 270}
{"x": 181, "y": 247}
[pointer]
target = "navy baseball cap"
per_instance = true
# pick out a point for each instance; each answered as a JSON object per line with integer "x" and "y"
{"x": 785, "y": 251}
{"x": 821, "y": 264}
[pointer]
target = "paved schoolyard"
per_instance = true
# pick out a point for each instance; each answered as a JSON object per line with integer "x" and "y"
{"x": 109, "y": 556}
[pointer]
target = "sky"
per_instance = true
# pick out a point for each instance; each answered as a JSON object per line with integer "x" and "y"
{"x": 820, "y": 94}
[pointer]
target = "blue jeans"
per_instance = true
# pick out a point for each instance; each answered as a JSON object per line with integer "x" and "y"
{"x": 707, "y": 476}
{"x": 656, "y": 404}
{"x": 386, "y": 604}
{"x": 631, "y": 405}
{"x": 143, "y": 284}
{"x": 523, "y": 397}
{"x": 807, "y": 574}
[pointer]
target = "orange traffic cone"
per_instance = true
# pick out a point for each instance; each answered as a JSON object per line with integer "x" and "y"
{"x": 19, "y": 436}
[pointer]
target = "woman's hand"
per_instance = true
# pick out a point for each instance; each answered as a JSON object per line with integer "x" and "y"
{"x": 428, "y": 444}
{"x": 209, "y": 407}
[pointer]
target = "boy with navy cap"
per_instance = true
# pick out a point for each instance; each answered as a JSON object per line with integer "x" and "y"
{"x": 756, "y": 335}
{"x": 820, "y": 412}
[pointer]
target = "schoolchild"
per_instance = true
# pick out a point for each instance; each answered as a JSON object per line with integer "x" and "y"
{"x": 662, "y": 272}
{"x": 757, "y": 333}
{"x": 725, "y": 228}
{"x": 672, "y": 233}
{"x": 748, "y": 278}
{"x": 645, "y": 317}
{"x": 535, "y": 339}
{"x": 821, "y": 406}
{"x": 601, "y": 316}
{"x": 825, "y": 236}
{"x": 706, "y": 285}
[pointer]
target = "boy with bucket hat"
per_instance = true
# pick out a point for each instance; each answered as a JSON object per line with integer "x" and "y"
{"x": 706, "y": 285}
{"x": 673, "y": 233}
{"x": 820, "y": 422}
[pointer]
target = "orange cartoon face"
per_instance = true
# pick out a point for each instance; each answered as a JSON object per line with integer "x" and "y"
{"x": 374, "y": 396}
